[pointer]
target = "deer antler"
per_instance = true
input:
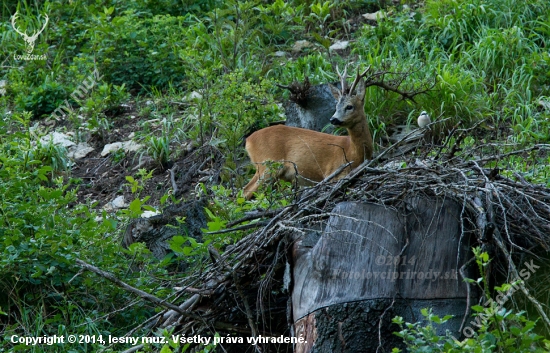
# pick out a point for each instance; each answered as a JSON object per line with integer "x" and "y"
{"x": 357, "y": 78}
{"x": 15, "y": 28}
{"x": 35, "y": 35}
{"x": 343, "y": 77}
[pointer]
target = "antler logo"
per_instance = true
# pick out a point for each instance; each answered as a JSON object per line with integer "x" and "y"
{"x": 28, "y": 39}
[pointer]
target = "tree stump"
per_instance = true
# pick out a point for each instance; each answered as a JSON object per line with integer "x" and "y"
{"x": 315, "y": 112}
{"x": 371, "y": 263}
{"x": 157, "y": 231}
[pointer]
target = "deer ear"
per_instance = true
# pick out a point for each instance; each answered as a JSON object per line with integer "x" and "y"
{"x": 360, "y": 90}
{"x": 336, "y": 93}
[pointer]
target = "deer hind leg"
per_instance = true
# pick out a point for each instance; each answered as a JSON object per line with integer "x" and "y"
{"x": 252, "y": 186}
{"x": 254, "y": 183}
{"x": 287, "y": 172}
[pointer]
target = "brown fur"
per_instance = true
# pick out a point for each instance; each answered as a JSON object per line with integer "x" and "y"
{"x": 313, "y": 155}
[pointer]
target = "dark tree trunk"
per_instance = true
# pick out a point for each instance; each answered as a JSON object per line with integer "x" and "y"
{"x": 157, "y": 231}
{"x": 371, "y": 263}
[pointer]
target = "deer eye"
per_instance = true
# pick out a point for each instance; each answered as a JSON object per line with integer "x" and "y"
{"x": 349, "y": 107}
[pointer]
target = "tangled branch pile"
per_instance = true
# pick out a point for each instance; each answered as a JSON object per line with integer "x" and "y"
{"x": 242, "y": 290}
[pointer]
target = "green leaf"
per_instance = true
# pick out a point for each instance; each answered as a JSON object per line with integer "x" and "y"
{"x": 108, "y": 11}
{"x": 209, "y": 213}
{"x": 398, "y": 320}
{"x": 176, "y": 243}
{"x": 135, "y": 207}
{"x": 478, "y": 308}
{"x": 215, "y": 225}
{"x": 325, "y": 42}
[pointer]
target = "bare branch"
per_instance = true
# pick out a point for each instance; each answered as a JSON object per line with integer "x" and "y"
{"x": 149, "y": 297}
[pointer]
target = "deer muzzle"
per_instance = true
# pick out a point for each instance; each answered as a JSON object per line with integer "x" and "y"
{"x": 335, "y": 121}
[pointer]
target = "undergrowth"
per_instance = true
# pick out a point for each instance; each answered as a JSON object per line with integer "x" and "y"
{"x": 207, "y": 71}
{"x": 497, "y": 328}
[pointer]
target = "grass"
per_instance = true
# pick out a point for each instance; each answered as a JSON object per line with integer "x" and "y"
{"x": 488, "y": 58}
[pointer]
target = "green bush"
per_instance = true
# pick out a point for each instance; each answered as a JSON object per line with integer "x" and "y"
{"x": 138, "y": 52}
{"x": 158, "y": 149}
{"x": 44, "y": 99}
{"x": 485, "y": 57}
{"x": 507, "y": 332}
{"x": 42, "y": 232}
{"x": 498, "y": 329}
{"x": 229, "y": 107}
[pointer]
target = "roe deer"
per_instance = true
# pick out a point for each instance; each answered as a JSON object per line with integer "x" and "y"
{"x": 309, "y": 155}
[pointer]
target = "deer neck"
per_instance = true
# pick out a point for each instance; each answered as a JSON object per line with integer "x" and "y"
{"x": 361, "y": 141}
